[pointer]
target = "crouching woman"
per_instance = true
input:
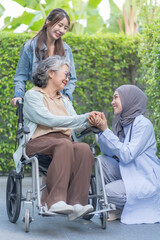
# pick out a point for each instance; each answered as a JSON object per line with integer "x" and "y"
{"x": 131, "y": 167}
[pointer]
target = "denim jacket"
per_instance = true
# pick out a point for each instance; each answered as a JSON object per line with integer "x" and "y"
{"x": 28, "y": 63}
{"x": 35, "y": 112}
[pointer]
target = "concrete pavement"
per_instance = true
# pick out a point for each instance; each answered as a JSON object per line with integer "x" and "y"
{"x": 43, "y": 228}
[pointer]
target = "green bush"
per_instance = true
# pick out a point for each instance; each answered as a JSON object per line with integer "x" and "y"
{"x": 103, "y": 62}
{"x": 9, "y": 55}
{"x": 149, "y": 53}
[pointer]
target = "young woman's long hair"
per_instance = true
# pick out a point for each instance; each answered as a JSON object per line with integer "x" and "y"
{"x": 55, "y": 16}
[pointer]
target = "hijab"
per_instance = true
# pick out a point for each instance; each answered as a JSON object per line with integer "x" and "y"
{"x": 134, "y": 103}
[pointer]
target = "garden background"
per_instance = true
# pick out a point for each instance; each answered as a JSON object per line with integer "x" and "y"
{"x": 105, "y": 58}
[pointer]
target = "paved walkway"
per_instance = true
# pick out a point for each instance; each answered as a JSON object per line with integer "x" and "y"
{"x": 46, "y": 228}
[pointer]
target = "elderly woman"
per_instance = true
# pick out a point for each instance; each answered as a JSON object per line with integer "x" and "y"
{"x": 131, "y": 167}
{"x": 51, "y": 118}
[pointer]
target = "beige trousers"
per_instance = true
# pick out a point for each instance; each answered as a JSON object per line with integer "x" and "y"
{"x": 68, "y": 175}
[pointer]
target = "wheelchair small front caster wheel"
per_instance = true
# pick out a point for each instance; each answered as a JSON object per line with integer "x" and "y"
{"x": 103, "y": 218}
{"x": 27, "y": 219}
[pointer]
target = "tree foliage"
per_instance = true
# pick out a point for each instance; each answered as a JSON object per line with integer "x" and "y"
{"x": 1, "y": 10}
{"x": 133, "y": 17}
{"x": 85, "y": 16}
{"x": 79, "y": 11}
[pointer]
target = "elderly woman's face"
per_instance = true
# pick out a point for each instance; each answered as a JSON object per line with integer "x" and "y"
{"x": 60, "y": 77}
{"x": 116, "y": 103}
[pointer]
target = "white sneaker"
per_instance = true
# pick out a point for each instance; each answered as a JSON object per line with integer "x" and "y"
{"x": 61, "y": 207}
{"x": 79, "y": 211}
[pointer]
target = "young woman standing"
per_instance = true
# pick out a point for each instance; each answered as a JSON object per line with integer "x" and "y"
{"x": 46, "y": 43}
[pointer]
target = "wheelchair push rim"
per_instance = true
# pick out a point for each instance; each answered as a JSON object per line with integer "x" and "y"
{"x": 13, "y": 196}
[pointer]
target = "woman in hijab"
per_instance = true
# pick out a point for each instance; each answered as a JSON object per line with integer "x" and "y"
{"x": 130, "y": 165}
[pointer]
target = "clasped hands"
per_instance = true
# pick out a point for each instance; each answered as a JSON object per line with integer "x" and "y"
{"x": 98, "y": 119}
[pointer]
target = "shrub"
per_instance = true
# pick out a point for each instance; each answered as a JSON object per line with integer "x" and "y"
{"x": 149, "y": 53}
{"x": 103, "y": 62}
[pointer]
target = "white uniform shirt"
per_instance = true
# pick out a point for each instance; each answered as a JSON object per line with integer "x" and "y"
{"x": 140, "y": 170}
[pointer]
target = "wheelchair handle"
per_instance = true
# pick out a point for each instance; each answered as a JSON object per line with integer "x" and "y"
{"x": 20, "y": 112}
{"x": 19, "y": 101}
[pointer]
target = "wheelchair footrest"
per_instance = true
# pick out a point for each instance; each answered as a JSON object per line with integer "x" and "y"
{"x": 107, "y": 208}
{"x": 47, "y": 214}
{"x": 44, "y": 212}
{"x": 99, "y": 211}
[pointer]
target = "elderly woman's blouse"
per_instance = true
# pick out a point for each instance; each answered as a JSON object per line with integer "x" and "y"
{"x": 35, "y": 112}
{"x": 56, "y": 107}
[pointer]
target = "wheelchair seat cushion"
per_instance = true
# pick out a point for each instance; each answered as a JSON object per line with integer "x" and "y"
{"x": 44, "y": 160}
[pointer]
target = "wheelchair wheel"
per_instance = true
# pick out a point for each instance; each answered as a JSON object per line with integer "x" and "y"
{"x": 27, "y": 220}
{"x": 92, "y": 201}
{"x": 13, "y": 196}
{"x": 103, "y": 218}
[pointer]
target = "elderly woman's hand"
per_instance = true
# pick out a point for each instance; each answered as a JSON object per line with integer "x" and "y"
{"x": 95, "y": 113}
{"x": 98, "y": 120}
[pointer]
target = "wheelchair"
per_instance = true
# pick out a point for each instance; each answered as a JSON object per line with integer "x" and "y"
{"x": 15, "y": 198}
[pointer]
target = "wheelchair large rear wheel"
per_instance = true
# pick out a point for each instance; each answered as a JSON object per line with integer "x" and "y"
{"x": 92, "y": 200}
{"x": 13, "y": 196}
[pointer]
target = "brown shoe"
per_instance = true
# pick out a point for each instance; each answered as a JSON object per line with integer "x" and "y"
{"x": 114, "y": 215}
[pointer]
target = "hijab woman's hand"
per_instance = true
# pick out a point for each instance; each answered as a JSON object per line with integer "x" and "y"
{"x": 98, "y": 120}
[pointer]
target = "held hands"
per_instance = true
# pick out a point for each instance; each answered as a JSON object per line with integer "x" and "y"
{"x": 98, "y": 120}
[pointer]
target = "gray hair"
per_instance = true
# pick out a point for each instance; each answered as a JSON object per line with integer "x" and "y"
{"x": 41, "y": 76}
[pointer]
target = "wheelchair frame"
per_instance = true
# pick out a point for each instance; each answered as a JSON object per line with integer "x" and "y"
{"x": 14, "y": 196}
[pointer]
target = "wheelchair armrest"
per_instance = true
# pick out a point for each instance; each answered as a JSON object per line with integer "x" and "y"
{"x": 24, "y": 130}
{"x": 95, "y": 130}
{"x": 88, "y": 131}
